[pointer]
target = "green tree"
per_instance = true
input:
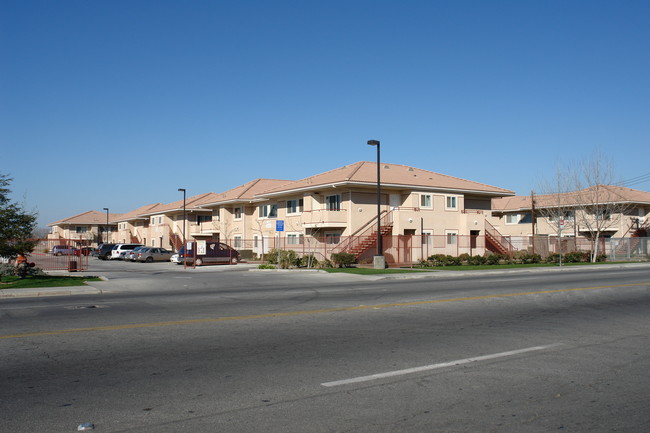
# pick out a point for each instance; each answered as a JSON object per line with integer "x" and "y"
{"x": 16, "y": 224}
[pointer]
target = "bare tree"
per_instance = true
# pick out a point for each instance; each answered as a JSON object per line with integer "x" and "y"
{"x": 599, "y": 204}
{"x": 583, "y": 196}
{"x": 555, "y": 204}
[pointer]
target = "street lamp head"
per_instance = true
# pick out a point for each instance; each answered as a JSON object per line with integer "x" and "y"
{"x": 106, "y": 209}
{"x": 373, "y": 142}
{"x": 181, "y": 189}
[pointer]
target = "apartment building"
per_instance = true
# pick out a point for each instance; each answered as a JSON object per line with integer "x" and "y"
{"x": 90, "y": 226}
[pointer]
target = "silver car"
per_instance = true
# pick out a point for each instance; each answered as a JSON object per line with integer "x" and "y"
{"x": 133, "y": 254}
{"x": 153, "y": 254}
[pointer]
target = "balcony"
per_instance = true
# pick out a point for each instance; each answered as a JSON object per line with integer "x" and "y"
{"x": 323, "y": 218}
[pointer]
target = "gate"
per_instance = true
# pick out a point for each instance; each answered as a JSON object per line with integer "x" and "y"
{"x": 61, "y": 254}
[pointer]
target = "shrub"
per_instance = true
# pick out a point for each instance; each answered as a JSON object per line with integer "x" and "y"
{"x": 476, "y": 260}
{"x": 438, "y": 260}
{"x": 343, "y": 260}
{"x": 465, "y": 258}
{"x": 494, "y": 259}
{"x": 325, "y": 264}
{"x": 309, "y": 261}
{"x": 266, "y": 267}
{"x": 288, "y": 258}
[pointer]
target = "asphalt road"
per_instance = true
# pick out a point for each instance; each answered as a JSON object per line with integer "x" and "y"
{"x": 228, "y": 350}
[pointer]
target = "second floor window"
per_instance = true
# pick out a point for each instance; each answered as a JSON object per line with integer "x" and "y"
{"x": 425, "y": 201}
{"x": 333, "y": 202}
{"x": 203, "y": 219}
{"x": 294, "y": 206}
{"x": 268, "y": 211}
{"x": 452, "y": 202}
{"x": 237, "y": 213}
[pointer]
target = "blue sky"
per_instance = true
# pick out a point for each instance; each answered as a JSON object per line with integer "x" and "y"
{"x": 118, "y": 104}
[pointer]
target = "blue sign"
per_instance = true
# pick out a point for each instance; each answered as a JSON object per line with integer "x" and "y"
{"x": 279, "y": 226}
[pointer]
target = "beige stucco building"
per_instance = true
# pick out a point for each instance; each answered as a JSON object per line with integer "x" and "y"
{"x": 90, "y": 227}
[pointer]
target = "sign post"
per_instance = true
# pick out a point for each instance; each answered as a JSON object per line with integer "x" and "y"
{"x": 279, "y": 227}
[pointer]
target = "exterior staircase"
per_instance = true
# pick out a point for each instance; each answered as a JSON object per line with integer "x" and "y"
{"x": 175, "y": 240}
{"x": 496, "y": 242}
{"x": 639, "y": 230}
{"x": 366, "y": 237}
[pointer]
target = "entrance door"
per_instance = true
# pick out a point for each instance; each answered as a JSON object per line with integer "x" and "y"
{"x": 473, "y": 236}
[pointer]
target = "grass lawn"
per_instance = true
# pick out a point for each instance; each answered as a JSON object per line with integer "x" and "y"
{"x": 30, "y": 282}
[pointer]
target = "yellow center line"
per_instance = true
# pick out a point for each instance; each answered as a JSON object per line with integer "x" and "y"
{"x": 306, "y": 312}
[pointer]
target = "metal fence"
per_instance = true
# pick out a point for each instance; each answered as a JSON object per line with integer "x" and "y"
{"x": 60, "y": 254}
{"x": 72, "y": 254}
{"x": 410, "y": 249}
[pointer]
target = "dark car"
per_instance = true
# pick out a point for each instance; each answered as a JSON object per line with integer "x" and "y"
{"x": 214, "y": 252}
{"x": 104, "y": 251}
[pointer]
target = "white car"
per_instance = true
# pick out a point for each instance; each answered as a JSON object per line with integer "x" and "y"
{"x": 118, "y": 251}
{"x": 175, "y": 258}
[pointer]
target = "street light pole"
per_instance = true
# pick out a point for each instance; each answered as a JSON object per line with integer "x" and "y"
{"x": 183, "y": 189}
{"x": 379, "y": 260}
{"x": 106, "y": 209}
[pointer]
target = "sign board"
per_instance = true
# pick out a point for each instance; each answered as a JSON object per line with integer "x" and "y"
{"x": 561, "y": 223}
{"x": 279, "y": 226}
{"x": 200, "y": 248}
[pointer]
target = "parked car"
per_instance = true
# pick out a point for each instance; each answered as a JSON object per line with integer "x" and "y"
{"x": 215, "y": 252}
{"x": 104, "y": 251}
{"x": 152, "y": 254}
{"x": 118, "y": 251}
{"x": 64, "y": 250}
{"x": 88, "y": 251}
{"x": 176, "y": 258}
{"x": 132, "y": 254}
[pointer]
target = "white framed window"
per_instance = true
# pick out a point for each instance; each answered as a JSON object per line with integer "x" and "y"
{"x": 452, "y": 237}
{"x": 268, "y": 210}
{"x": 512, "y": 218}
{"x": 426, "y": 201}
{"x": 294, "y": 206}
{"x": 451, "y": 202}
{"x": 237, "y": 241}
{"x": 237, "y": 213}
{"x": 153, "y": 221}
{"x": 159, "y": 220}
{"x": 295, "y": 238}
{"x": 427, "y": 237}
{"x": 333, "y": 202}
{"x": 81, "y": 229}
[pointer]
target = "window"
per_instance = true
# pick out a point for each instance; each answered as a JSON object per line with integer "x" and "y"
{"x": 512, "y": 219}
{"x": 81, "y": 229}
{"x": 237, "y": 241}
{"x": 294, "y": 206}
{"x": 153, "y": 221}
{"x": 603, "y": 214}
{"x": 567, "y": 215}
{"x": 268, "y": 211}
{"x": 295, "y": 238}
{"x": 203, "y": 219}
{"x": 427, "y": 237}
{"x": 159, "y": 220}
{"x": 451, "y": 238}
{"x": 333, "y": 202}
{"x": 237, "y": 213}
{"x": 452, "y": 202}
{"x": 425, "y": 201}
{"x": 332, "y": 238}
